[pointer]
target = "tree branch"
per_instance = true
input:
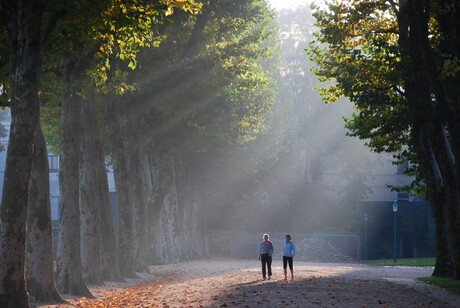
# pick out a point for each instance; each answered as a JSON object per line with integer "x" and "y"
{"x": 394, "y": 6}
{"x": 52, "y": 22}
{"x": 197, "y": 30}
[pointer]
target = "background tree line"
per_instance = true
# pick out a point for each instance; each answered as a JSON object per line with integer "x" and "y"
{"x": 397, "y": 61}
{"x": 153, "y": 87}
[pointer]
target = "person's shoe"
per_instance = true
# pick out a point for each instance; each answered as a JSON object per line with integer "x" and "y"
{"x": 269, "y": 277}
{"x": 264, "y": 278}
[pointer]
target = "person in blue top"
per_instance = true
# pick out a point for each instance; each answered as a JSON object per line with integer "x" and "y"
{"x": 265, "y": 255}
{"x": 288, "y": 256}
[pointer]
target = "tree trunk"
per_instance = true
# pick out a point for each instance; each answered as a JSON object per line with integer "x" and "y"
{"x": 137, "y": 202}
{"x": 68, "y": 264}
{"x": 125, "y": 217}
{"x": 136, "y": 191}
{"x": 116, "y": 119}
{"x": 446, "y": 89}
{"x": 109, "y": 259}
{"x": 140, "y": 208}
{"x": 416, "y": 51}
{"x": 170, "y": 217}
{"x": 161, "y": 180}
{"x": 451, "y": 195}
{"x": 89, "y": 197}
{"x": 193, "y": 217}
{"x": 443, "y": 266}
{"x": 39, "y": 253}
{"x": 25, "y": 33}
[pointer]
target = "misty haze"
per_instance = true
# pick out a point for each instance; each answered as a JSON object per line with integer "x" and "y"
{"x": 189, "y": 153}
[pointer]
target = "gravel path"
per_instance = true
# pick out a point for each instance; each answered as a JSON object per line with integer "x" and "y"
{"x": 238, "y": 283}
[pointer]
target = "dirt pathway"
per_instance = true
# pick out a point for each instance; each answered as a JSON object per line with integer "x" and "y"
{"x": 238, "y": 283}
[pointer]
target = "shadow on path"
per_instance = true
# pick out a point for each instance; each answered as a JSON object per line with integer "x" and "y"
{"x": 316, "y": 287}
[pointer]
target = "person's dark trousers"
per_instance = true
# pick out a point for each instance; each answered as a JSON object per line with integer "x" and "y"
{"x": 266, "y": 262}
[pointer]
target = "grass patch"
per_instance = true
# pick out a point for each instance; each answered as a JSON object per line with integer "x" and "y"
{"x": 445, "y": 283}
{"x": 404, "y": 262}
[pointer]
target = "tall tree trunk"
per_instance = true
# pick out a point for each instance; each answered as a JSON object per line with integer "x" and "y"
{"x": 179, "y": 225}
{"x": 136, "y": 191}
{"x": 446, "y": 89}
{"x": 140, "y": 214}
{"x": 89, "y": 197}
{"x": 39, "y": 253}
{"x": 148, "y": 203}
{"x": 170, "y": 218}
{"x": 109, "y": 259}
{"x": 125, "y": 217}
{"x": 452, "y": 201}
{"x": 161, "y": 180}
{"x": 69, "y": 271}
{"x": 193, "y": 205}
{"x": 437, "y": 196}
{"x": 116, "y": 119}
{"x": 443, "y": 266}
{"x": 416, "y": 52}
{"x": 137, "y": 202}
{"x": 25, "y": 33}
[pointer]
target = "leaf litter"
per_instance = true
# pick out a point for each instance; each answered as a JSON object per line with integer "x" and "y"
{"x": 237, "y": 283}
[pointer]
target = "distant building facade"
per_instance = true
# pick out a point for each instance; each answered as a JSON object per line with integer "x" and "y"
{"x": 415, "y": 230}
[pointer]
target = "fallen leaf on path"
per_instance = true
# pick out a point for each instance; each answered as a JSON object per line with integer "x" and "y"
{"x": 317, "y": 301}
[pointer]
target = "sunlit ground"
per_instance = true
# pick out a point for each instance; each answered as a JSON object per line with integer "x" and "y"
{"x": 238, "y": 283}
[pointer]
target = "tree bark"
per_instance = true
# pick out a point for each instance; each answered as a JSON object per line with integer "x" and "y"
{"x": 89, "y": 197}
{"x": 426, "y": 133}
{"x": 192, "y": 208}
{"x": 136, "y": 190}
{"x": 170, "y": 220}
{"x": 39, "y": 254}
{"x": 446, "y": 89}
{"x": 69, "y": 271}
{"x": 443, "y": 266}
{"x": 161, "y": 180}
{"x": 109, "y": 259}
{"x": 451, "y": 195}
{"x": 25, "y": 33}
{"x": 116, "y": 119}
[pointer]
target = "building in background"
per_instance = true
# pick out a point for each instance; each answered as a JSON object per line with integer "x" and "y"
{"x": 376, "y": 174}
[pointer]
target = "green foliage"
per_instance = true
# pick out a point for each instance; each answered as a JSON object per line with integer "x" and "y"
{"x": 95, "y": 45}
{"x": 445, "y": 283}
{"x": 209, "y": 91}
{"x": 403, "y": 262}
{"x": 356, "y": 49}
{"x": 126, "y": 27}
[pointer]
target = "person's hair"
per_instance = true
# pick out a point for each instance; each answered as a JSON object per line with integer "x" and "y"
{"x": 268, "y": 236}
{"x": 287, "y": 235}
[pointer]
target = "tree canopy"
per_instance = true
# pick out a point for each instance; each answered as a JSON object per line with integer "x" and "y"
{"x": 390, "y": 59}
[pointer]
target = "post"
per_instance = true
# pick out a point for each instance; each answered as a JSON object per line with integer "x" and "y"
{"x": 394, "y": 236}
{"x": 365, "y": 236}
{"x": 395, "y": 210}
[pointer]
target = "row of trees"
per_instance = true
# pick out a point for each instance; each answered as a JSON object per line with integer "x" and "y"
{"x": 398, "y": 63}
{"x": 158, "y": 95}
{"x": 276, "y": 180}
